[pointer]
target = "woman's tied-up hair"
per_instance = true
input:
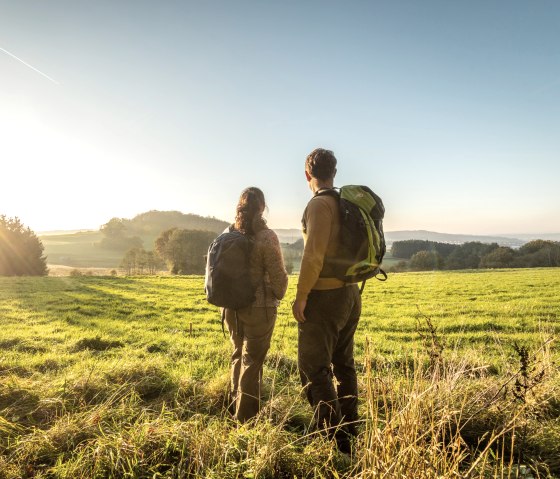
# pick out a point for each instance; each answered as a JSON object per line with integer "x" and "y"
{"x": 248, "y": 217}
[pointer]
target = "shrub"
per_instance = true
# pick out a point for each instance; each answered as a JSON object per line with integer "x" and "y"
{"x": 21, "y": 252}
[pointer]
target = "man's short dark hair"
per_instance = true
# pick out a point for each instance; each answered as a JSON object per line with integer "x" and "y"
{"x": 321, "y": 164}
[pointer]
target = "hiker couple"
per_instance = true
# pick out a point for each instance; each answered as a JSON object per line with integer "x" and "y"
{"x": 327, "y": 308}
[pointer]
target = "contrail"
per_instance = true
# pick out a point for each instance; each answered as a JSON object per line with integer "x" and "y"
{"x": 28, "y": 65}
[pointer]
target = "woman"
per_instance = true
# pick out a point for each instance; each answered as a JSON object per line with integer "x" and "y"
{"x": 250, "y": 328}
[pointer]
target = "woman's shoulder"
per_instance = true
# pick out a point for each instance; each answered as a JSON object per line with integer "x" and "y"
{"x": 266, "y": 235}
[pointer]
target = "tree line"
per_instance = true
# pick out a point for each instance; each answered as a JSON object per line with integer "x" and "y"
{"x": 183, "y": 251}
{"x": 421, "y": 255}
{"x": 180, "y": 251}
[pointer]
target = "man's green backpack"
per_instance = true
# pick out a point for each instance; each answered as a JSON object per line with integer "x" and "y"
{"x": 362, "y": 243}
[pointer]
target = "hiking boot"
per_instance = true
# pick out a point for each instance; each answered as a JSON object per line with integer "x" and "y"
{"x": 343, "y": 442}
{"x": 352, "y": 430}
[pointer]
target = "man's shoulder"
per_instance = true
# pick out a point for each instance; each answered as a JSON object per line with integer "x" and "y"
{"x": 322, "y": 203}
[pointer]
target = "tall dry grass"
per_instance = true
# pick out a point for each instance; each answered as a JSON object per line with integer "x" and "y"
{"x": 422, "y": 418}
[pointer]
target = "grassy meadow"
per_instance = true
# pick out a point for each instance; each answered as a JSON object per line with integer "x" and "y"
{"x": 127, "y": 377}
{"x": 79, "y": 250}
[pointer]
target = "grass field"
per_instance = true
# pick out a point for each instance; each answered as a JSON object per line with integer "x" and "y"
{"x": 79, "y": 250}
{"x": 127, "y": 377}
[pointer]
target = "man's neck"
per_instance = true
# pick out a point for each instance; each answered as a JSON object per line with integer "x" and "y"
{"x": 317, "y": 185}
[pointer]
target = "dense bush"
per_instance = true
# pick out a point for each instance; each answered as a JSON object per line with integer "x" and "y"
{"x": 21, "y": 252}
{"x": 426, "y": 261}
{"x": 502, "y": 257}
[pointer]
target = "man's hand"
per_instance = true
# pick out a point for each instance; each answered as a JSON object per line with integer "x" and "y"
{"x": 298, "y": 307}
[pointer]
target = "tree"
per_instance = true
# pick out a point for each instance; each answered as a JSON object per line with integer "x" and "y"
{"x": 153, "y": 262}
{"x": 114, "y": 228}
{"x": 115, "y": 236}
{"x": 184, "y": 250}
{"x": 535, "y": 246}
{"x": 136, "y": 260}
{"x": 468, "y": 255}
{"x": 426, "y": 261}
{"x": 502, "y": 257}
{"x": 21, "y": 252}
{"x": 128, "y": 263}
{"x": 539, "y": 253}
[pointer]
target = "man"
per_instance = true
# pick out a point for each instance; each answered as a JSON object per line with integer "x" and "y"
{"x": 326, "y": 309}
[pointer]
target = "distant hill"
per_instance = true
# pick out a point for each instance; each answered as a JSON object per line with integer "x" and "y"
{"x": 292, "y": 235}
{"x": 152, "y": 223}
{"x": 62, "y": 232}
{"x": 81, "y": 249}
{"x": 392, "y": 236}
{"x": 544, "y": 236}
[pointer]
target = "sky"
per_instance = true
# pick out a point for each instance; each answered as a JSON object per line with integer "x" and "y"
{"x": 450, "y": 111}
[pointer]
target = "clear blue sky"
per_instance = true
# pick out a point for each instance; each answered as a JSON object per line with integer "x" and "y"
{"x": 448, "y": 110}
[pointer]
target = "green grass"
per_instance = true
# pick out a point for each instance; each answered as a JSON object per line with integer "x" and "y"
{"x": 127, "y": 377}
{"x": 473, "y": 309}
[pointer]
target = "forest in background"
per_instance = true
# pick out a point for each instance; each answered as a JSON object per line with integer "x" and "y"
{"x": 418, "y": 255}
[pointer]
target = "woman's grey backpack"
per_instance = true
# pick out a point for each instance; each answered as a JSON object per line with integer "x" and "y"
{"x": 228, "y": 278}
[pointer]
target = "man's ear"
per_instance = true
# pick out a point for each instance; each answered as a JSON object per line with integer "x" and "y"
{"x": 334, "y": 174}
{"x": 307, "y": 176}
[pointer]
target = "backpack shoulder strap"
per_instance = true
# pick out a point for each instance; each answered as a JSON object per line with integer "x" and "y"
{"x": 328, "y": 192}
{"x": 322, "y": 192}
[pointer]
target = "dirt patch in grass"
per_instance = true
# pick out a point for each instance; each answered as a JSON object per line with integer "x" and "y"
{"x": 96, "y": 344}
{"x": 25, "y": 346}
{"x": 157, "y": 347}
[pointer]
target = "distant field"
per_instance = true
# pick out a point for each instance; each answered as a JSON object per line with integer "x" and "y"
{"x": 79, "y": 250}
{"x": 62, "y": 270}
{"x": 389, "y": 260}
{"x": 126, "y": 377}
